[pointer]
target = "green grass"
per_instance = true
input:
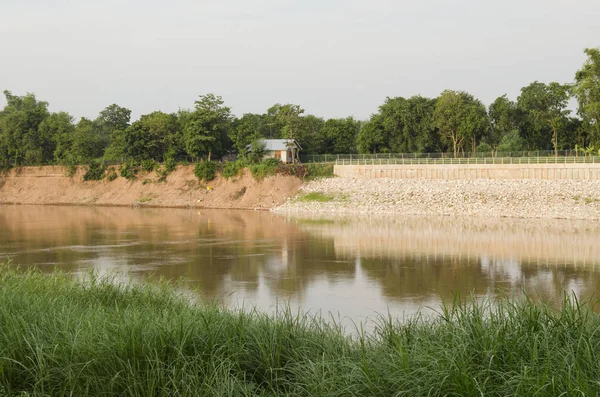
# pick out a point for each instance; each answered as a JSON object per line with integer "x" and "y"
{"x": 317, "y": 196}
{"x": 318, "y": 171}
{"x": 60, "y": 336}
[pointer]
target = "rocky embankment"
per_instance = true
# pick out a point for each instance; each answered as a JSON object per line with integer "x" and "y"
{"x": 480, "y": 198}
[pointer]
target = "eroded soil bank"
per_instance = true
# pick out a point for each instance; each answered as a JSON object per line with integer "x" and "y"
{"x": 51, "y": 185}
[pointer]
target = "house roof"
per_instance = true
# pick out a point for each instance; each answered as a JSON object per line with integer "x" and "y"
{"x": 280, "y": 144}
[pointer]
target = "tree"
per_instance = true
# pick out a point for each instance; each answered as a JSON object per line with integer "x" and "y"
{"x": 371, "y": 137}
{"x": 246, "y": 130}
{"x": 205, "y": 128}
{"x": 60, "y": 128}
{"x": 419, "y": 125}
{"x": 309, "y": 135}
{"x": 460, "y": 118}
{"x": 546, "y": 106}
{"x": 151, "y": 137}
{"x": 587, "y": 91}
{"x": 503, "y": 120}
{"x": 340, "y": 135}
{"x": 286, "y": 119}
{"x": 20, "y": 135}
{"x": 112, "y": 123}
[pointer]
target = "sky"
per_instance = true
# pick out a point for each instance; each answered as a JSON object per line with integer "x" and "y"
{"x": 335, "y": 58}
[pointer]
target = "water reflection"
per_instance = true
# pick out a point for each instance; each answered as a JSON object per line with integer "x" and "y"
{"x": 351, "y": 266}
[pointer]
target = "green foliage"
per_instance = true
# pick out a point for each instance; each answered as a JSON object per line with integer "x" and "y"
{"x": 71, "y": 170}
{"x": 587, "y": 91}
{"x": 484, "y": 148}
{"x": 112, "y": 175}
{"x": 149, "y": 165}
{"x": 460, "y": 118}
{"x": 129, "y": 170}
{"x": 170, "y": 164}
{"x": 504, "y": 118}
{"x": 257, "y": 152}
{"x": 317, "y": 196}
{"x": 268, "y": 167}
{"x": 205, "y": 128}
{"x": 511, "y": 142}
{"x": 316, "y": 171}
{"x": 205, "y": 170}
{"x": 151, "y": 136}
{"x": 341, "y": 135}
{"x": 546, "y": 110}
{"x": 233, "y": 168}
{"x": 95, "y": 171}
{"x": 148, "y": 339}
{"x": 22, "y": 138}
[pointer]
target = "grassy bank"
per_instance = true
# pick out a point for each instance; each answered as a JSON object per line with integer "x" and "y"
{"x": 59, "y": 336}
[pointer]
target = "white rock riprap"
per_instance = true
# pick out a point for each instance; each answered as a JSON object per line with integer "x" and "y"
{"x": 482, "y": 198}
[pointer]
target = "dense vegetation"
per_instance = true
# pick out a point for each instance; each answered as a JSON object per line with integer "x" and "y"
{"x": 62, "y": 336}
{"x": 454, "y": 122}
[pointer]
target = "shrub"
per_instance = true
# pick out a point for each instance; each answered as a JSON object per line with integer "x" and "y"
{"x": 267, "y": 168}
{"x": 112, "y": 175}
{"x": 315, "y": 171}
{"x": 297, "y": 170}
{"x": 129, "y": 170}
{"x": 149, "y": 165}
{"x": 71, "y": 170}
{"x": 170, "y": 164}
{"x": 205, "y": 170}
{"x": 95, "y": 171}
{"x": 233, "y": 168}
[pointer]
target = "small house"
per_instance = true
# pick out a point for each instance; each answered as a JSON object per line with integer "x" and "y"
{"x": 285, "y": 150}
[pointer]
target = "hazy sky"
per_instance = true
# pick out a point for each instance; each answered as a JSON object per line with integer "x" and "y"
{"x": 335, "y": 58}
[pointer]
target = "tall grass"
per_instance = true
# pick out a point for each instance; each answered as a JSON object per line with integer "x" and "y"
{"x": 60, "y": 336}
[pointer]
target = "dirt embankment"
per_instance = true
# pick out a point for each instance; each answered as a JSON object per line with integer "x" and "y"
{"x": 51, "y": 185}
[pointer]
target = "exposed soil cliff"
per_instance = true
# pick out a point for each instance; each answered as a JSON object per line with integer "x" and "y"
{"x": 51, "y": 185}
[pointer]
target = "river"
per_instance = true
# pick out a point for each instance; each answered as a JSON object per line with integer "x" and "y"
{"x": 352, "y": 267}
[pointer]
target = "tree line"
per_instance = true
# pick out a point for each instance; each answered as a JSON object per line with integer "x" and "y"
{"x": 455, "y": 122}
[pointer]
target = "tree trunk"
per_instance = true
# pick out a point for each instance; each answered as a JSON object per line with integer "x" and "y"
{"x": 209, "y": 153}
{"x": 455, "y": 146}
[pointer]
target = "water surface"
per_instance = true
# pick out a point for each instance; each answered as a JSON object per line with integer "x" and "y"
{"x": 351, "y": 266}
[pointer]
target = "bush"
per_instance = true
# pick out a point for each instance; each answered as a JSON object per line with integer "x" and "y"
{"x": 71, "y": 170}
{"x": 149, "y": 165}
{"x": 205, "y": 170}
{"x": 129, "y": 170}
{"x": 233, "y": 168}
{"x": 297, "y": 170}
{"x": 484, "y": 148}
{"x": 112, "y": 175}
{"x": 95, "y": 171}
{"x": 315, "y": 171}
{"x": 267, "y": 168}
{"x": 170, "y": 164}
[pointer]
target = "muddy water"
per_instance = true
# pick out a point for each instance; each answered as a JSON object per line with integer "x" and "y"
{"x": 352, "y": 267}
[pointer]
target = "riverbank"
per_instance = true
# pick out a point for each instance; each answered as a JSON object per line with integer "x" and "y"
{"x": 51, "y": 185}
{"x": 63, "y": 336}
{"x": 558, "y": 199}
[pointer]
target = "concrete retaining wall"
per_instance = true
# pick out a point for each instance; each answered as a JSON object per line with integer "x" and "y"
{"x": 471, "y": 171}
